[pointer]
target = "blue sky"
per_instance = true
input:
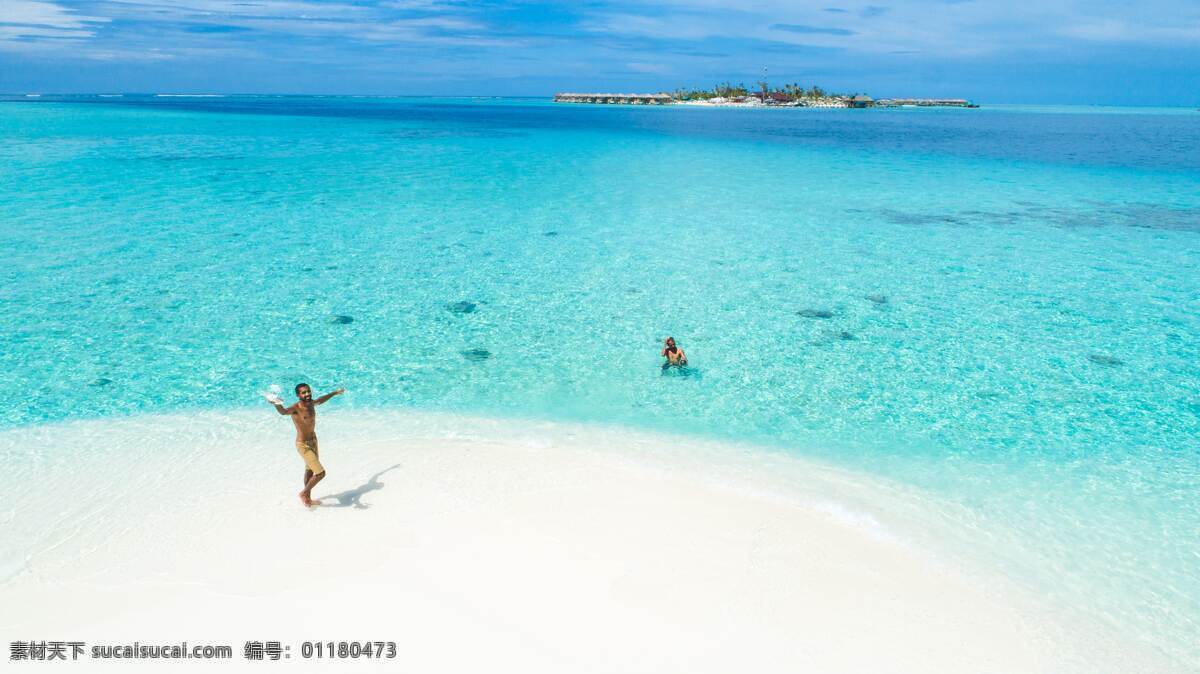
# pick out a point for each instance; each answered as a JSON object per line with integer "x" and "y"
{"x": 1073, "y": 51}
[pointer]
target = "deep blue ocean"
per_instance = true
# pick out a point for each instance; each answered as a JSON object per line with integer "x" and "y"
{"x": 999, "y": 307}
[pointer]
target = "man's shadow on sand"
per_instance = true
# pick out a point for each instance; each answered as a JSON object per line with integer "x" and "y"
{"x": 352, "y": 498}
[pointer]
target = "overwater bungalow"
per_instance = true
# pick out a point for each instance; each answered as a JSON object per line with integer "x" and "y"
{"x": 614, "y": 99}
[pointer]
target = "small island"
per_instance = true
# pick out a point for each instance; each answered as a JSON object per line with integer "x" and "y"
{"x": 787, "y": 96}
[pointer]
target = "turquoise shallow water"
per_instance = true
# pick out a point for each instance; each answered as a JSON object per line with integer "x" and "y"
{"x": 1000, "y": 307}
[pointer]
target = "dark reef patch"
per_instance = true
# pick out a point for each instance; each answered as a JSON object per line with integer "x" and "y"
{"x": 897, "y": 217}
{"x": 462, "y": 307}
{"x": 342, "y": 319}
{"x": 1093, "y": 214}
{"x": 477, "y": 355}
{"x": 833, "y": 337}
{"x": 815, "y": 313}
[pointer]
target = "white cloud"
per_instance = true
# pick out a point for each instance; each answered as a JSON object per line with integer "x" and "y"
{"x": 226, "y": 10}
{"x": 42, "y": 13}
{"x": 674, "y": 27}
{"x": 1116, "y": 30}
{"x": 42, "y": 25}
{"x": 40, "y": 19}
{"x": 947, "y": 29}
{"x": 650, "y": 68}
{"x": 417, "y": 5}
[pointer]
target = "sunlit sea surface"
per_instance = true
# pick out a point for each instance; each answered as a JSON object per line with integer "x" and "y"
{"x": 999, "y": 308}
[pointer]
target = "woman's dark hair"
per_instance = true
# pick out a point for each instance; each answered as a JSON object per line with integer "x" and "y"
{"x": 300, "y": 386}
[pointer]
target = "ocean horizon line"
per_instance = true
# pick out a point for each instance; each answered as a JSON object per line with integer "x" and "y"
{"x": 532, "y": 97}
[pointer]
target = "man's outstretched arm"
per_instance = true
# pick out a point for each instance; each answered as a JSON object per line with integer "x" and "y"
{"x": 329, "y": 395}
{"x": 285, "y": 411}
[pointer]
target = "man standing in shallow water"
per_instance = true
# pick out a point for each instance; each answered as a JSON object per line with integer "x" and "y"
{"x": 304, "y": 416}
{"x": 674, "y": 355}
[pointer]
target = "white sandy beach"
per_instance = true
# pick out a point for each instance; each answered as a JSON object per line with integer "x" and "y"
{"x": 480, "y": 545}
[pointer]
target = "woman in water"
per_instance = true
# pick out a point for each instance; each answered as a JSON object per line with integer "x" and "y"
{"x": 674, "y": 355}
